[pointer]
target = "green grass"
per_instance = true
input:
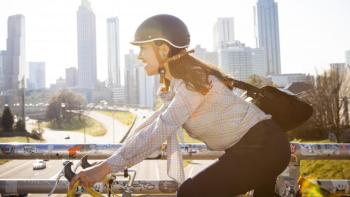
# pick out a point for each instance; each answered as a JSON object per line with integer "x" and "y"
{"x": 326, "y": 169}
{"x": 92, "y": 127}
{"x": 18, "y": 140}
{"x": 124, "y": 117}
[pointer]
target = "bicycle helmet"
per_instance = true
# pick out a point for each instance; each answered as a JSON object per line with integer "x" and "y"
{"x": 163, "y": 27}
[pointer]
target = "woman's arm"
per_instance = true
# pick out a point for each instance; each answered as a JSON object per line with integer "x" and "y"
{"x": 152, "y": 136}
{"x": 147, "y": 122}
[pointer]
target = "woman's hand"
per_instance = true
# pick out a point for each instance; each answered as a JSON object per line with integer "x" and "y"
{"x": 88, "y": 177}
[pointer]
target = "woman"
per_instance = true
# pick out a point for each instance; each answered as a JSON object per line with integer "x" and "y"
{"x": 199, "y": 98}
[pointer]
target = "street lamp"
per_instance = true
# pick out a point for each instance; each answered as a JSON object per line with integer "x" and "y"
{"x": 82, "y": 121}
{"x": 63, "y": 105}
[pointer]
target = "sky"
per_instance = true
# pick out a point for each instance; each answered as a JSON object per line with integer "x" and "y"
{"x": 313, "y": 33}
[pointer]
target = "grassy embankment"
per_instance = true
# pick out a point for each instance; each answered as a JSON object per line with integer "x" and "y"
{"x": 124, "y": 117}
{"x": 91, "y": 126}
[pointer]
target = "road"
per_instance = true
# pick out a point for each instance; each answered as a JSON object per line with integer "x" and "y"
{"x": 147, "y": 170}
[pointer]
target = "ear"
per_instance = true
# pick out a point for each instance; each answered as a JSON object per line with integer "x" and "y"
{"x": 164, "y": 50}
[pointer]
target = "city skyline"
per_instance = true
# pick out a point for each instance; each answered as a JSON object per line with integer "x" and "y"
{"x": 311, "y": 39}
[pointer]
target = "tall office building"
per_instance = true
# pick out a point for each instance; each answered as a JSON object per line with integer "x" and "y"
{"x": 14, "y": 69}
{"x": 347, "y": 57}
{"x": 2, "y": 64}
{"x": 241, "y": 62}
{"x": 223, "y": 32}
{"x": 113, "y": 52}
{"x": 87, "y": 69}
{"x": 131, "y": 88}
{"x": 147, "y": 86}
{"x": 71, "y": 77}
{"x": 37, "y": 75}
{"x": 267, "y": 33}
{"x": 140, "y": 89}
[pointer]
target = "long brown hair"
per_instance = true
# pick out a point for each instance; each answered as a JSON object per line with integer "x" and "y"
{"x": 195, "y": 73}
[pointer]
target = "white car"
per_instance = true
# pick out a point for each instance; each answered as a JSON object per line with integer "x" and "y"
{"x": 39, "y": 164}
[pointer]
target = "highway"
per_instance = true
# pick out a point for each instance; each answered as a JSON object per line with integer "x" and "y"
{"x": 147, "y": 170}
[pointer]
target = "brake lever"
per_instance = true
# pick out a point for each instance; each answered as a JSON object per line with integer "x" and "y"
{"x": 59, "y": 175}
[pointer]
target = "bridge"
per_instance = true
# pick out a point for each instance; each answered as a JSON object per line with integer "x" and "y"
{"x": 287, "y": 182}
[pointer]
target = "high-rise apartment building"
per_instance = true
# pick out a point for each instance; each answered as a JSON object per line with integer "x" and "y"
{"x": 241, "y": 62}
{"x": 206, "y": 56}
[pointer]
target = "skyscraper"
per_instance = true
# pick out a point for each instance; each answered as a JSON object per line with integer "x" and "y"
{"x": 131, "y": 88}
{"x": 14, "y": 69}
{"x": 113, "y": 52}
{"x": 140, "y": 89}
{"x": 223, "y": 32}
{"x": 86, "y": 22}
{"x": 37, "y": 75}
{"x": 267, "y": 33}
{"x": 2, "y": 64}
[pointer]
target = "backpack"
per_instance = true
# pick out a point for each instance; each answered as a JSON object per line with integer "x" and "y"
{"x": 288, "y": 111}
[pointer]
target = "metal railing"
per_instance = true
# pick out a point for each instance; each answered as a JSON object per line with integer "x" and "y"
{"x": 286, "y": 183}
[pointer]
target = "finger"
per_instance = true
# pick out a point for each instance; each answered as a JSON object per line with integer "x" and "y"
{"x": 73, "y": 180}
{"x": 84, "y": 184}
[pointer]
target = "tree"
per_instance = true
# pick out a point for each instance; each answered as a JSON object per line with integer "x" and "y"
{"x": 259, "y": 81}
{"x": 7, "y": 119}
{"x": 20, "y": 126}
{"x": 328, "y": 103}
{"x": 61, "y": 105}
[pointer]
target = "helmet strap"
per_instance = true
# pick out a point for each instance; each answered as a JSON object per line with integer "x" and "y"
{"x": 165, "y": 83}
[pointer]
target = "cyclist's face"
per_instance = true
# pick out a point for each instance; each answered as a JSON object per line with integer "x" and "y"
{"x": 148, "y": 58}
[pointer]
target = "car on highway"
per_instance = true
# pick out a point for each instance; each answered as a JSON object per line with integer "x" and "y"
{"x": 67, "y": 137}
{"x": 39, "y": 164}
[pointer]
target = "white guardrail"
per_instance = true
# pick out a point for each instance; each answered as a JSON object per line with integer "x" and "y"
{"x": 287, "y": 183}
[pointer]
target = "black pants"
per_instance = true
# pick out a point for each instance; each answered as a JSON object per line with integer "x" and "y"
{"x": 252, "y": 164}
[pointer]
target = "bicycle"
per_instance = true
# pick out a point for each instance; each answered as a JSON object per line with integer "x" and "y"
{"x": 68, "y": 173}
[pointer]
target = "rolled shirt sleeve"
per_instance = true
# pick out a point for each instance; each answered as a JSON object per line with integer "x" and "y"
{"x": 150, "y": 138}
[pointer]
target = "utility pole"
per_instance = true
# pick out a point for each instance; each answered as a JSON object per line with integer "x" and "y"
{"x": 346, "y": 110}
{"x": 113, "y": 125}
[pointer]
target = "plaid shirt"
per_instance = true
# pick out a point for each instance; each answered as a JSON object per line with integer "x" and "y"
{"x": 220, "y": 119}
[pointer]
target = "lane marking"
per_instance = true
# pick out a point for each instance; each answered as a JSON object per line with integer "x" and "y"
{"x": 157, "y": 170}
{"x": 15, "y": 168}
